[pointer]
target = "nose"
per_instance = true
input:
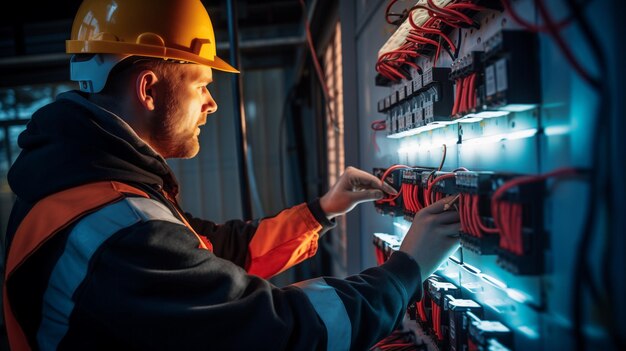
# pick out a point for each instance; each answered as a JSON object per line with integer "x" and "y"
{"x": 210, "y": 106}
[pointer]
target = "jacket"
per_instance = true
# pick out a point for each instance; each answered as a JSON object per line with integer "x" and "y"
{"x": 133, "y": 274}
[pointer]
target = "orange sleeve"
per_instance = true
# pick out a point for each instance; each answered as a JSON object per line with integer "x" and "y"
{"x": 283, "y": 241}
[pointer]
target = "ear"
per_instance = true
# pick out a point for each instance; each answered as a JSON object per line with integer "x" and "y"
{"x": 145, "y": 88}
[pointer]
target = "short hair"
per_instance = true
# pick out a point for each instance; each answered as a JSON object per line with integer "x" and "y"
{"x": 120, "y": 74}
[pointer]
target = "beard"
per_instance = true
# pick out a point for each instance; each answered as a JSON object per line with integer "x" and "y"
{"x": 173, "y": 142}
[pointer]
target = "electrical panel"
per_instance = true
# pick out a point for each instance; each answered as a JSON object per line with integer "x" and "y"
{"x": 462, "y": 89}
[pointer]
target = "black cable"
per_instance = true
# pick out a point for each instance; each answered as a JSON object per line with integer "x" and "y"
{"x": 452, "y": 57}
{"x": 458, "y": 44}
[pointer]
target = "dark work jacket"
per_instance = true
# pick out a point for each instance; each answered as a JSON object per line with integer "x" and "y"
{"x": 131, "y": 275}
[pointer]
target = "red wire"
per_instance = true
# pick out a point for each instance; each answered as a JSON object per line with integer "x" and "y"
{"x": 421, "y": 310}
{"x": 384, "y": 176}
{"x": 463, "y": 214}
{"x": 379, "y": 124}
{"x": 436, "y": 310}
{"x": 405, "y": 199}
{"x": 432, "y": 12}
{"x": 508, "y": 216}
{"x": 481, "y": 226}
{"x": 430, "y": 186}
{"x": 470, "y": 217}
{"x": 316, "y": 63}
{"x": 424, "y": 29}
{"x": 517, "y": 229}
{"x": 450, "y": 13}
{"x": 463, "y": 103}
{"x": 528, "y": 25}
{"x": 437, "y": 52}
{"x": 466, "y": 5}
{"x": 418, "y": 39}
{"x": 388, "y": 9}
{"x": 471, "y": 94}
{"x": 416, "y": 197}
{"x": 388, "y": 65}
{"x": 379, "y": 255}
{"x": 567, "y": 52}
{"x": 457, "y": 96}
{"x": 411, "y": 195}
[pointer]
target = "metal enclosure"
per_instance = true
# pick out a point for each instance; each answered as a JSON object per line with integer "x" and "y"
{"x": 561, "y": 129}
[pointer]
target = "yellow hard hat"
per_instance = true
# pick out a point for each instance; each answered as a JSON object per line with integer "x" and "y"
{"x": 169, "y": 29}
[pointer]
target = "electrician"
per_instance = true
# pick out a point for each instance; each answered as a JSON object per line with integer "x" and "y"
{"x": 101, "y": 256}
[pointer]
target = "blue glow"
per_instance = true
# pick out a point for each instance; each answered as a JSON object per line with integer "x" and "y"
{"x": 531, "y": 333}
{"x": 517, "y": 295}
{"x": 518, "y": 107}
{"x": 401, "y": 226}
{"x": 431, "y": 126}
{"x": 557, "y": 130}
{"x": 493, "y": 281}
{"x": 484, "y": 114}
{"x": 471, "y": 269}
{"x": 417, "y": 147}
{"x": 490, "y": 139}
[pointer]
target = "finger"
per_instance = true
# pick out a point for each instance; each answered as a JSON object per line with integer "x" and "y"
{"x": 366, "y": 195}
{"x": 389, "y": 189}
{"x": 452, "y": 231}
{"x": 448, "y": 217}
{"x": 366, "y": 180}
{"x": 452, "y": 202}
{"x": 438, "y": 206}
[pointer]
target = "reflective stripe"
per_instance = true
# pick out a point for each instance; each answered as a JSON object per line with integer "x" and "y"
{"x": 331, "y": 310}
{"x": 71, "y": 268}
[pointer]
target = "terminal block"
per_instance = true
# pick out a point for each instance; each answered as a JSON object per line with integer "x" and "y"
{"x": 437, "y": 95}
{"x": 413, "y": 192}
{"x": 427, "y": 98}
{"x": 530, "y": 258}
{"x": 395, "y": 207}
{"x": 511, "y": 69}
{"x": 467, "y": 73}
{"x": 482, "y": 331}
{"x": 458, "y": 327}
{"x": 495, "y": 345}
{"x": 423, "y": 309}
{"x": 386, "y": 244}
{"x": 520, "y": 208}
{"x": 466, "y": 65}
{"x": 438, "y": 290}
{"x": 476, "y": 189}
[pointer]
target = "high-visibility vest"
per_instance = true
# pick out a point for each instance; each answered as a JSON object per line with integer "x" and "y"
{"x": 52, "y": 215}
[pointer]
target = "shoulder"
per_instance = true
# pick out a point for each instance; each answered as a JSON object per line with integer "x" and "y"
{"x": 125, "y": 214}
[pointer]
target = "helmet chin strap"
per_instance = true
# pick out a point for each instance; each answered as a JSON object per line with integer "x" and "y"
{"x": 91, "y": 73}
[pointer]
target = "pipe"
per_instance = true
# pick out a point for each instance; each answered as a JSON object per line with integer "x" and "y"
{"x": 240, "y": 126}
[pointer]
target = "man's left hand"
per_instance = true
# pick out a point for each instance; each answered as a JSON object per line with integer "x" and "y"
{"x": 353, "y": 187}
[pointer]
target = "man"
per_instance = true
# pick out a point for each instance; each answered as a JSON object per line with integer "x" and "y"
{"x": 101, "y": 256}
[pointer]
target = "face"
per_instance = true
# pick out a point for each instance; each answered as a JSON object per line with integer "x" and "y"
{"x": 181, "y": 107}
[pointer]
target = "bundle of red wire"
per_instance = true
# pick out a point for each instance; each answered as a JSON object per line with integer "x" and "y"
{"x": 436, "y": 315}
{"x": 471, "y": 219}
{"x": 399, "y": 340}
{"x": 507, "y": 215}
{"x": 422, "y": 37}
{"x": 465, "y": 98}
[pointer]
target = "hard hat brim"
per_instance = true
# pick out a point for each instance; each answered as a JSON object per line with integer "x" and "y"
{"x": 221, "y": 65}
{"x": 109, "y": 47}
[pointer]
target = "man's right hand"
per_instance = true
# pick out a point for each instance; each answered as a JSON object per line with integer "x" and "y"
{"x": 433, "y": 236}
